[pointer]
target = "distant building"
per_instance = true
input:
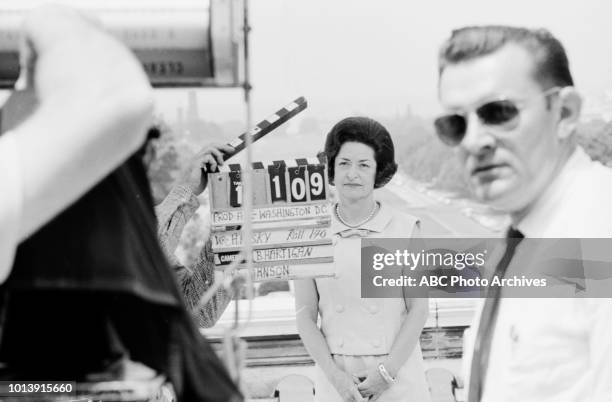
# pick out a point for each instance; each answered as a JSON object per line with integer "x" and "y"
{"x": 192, "y": 106}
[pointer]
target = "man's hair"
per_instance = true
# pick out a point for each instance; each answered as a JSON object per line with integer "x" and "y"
{"x": 468, "y": 43}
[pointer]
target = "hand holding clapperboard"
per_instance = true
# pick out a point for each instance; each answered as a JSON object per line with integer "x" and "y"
{"x": 291, "y": 211}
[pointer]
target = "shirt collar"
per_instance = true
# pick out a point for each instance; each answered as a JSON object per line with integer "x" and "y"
{"x": 377, "y": 224}
{"x": 545, "y": 208}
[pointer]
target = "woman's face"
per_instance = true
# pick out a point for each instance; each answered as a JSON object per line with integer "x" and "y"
{"x": 355, "y": 171}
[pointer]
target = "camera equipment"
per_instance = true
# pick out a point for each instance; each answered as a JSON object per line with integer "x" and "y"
{"x": 180, "y": 43}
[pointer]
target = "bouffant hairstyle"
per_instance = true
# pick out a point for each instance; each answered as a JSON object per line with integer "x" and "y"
{"x": 366, "y": 131}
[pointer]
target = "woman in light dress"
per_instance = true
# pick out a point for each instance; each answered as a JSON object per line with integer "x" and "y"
{"x": 364, "y": 349}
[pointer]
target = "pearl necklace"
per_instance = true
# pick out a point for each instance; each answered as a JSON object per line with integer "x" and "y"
{"x": 368, "y": 218}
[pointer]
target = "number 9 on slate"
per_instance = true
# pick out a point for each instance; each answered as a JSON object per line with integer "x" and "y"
{"x": 316, "y": 178}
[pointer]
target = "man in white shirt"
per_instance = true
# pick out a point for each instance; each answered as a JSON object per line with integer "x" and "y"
{"x": 94, "y": 108}
{"x": 512, "y": 116}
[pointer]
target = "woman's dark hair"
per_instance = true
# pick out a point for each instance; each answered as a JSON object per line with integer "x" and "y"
{"x": 366, "y": 131}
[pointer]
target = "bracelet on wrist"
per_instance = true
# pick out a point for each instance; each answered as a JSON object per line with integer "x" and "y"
{"x": 385, "y": 374}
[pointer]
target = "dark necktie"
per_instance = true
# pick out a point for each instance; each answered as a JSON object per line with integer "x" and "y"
{"x": 482, "y": 346}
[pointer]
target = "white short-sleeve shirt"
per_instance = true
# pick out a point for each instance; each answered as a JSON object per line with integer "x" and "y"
{"x": 555, "y": 350}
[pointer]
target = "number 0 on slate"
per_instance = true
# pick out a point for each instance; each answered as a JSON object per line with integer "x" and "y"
{"x": 297, "y": 183}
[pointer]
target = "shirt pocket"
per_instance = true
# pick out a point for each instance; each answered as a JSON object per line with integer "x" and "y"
{"x": 545, "y": 349}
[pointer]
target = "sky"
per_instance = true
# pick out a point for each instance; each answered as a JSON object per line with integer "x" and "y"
{"x": 379, "y": 57}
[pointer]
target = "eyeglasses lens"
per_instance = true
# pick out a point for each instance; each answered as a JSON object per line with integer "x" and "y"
{"x": 451, "y": 128}
{"x": 498, "y": 112}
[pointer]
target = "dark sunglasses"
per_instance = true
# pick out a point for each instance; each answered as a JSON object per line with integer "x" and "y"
{"x": 501, "y": 113}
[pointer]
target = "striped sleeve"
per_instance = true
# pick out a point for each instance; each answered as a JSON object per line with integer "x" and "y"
{"x": 196, "y": 281}
{"x": 173, "y": 213}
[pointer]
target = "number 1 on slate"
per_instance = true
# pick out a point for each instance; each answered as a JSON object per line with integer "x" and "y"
{"x": 278, "y": 191}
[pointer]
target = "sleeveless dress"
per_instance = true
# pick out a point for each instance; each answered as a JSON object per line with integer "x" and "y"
{"x": 360, "y": 332}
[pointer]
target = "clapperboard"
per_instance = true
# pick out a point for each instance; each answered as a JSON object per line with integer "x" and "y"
{"x": 267, "y": 125}
{"x": 291, "y": 214}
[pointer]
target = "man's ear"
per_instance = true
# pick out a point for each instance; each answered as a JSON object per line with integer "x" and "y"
{"x": 569, "y": 114}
